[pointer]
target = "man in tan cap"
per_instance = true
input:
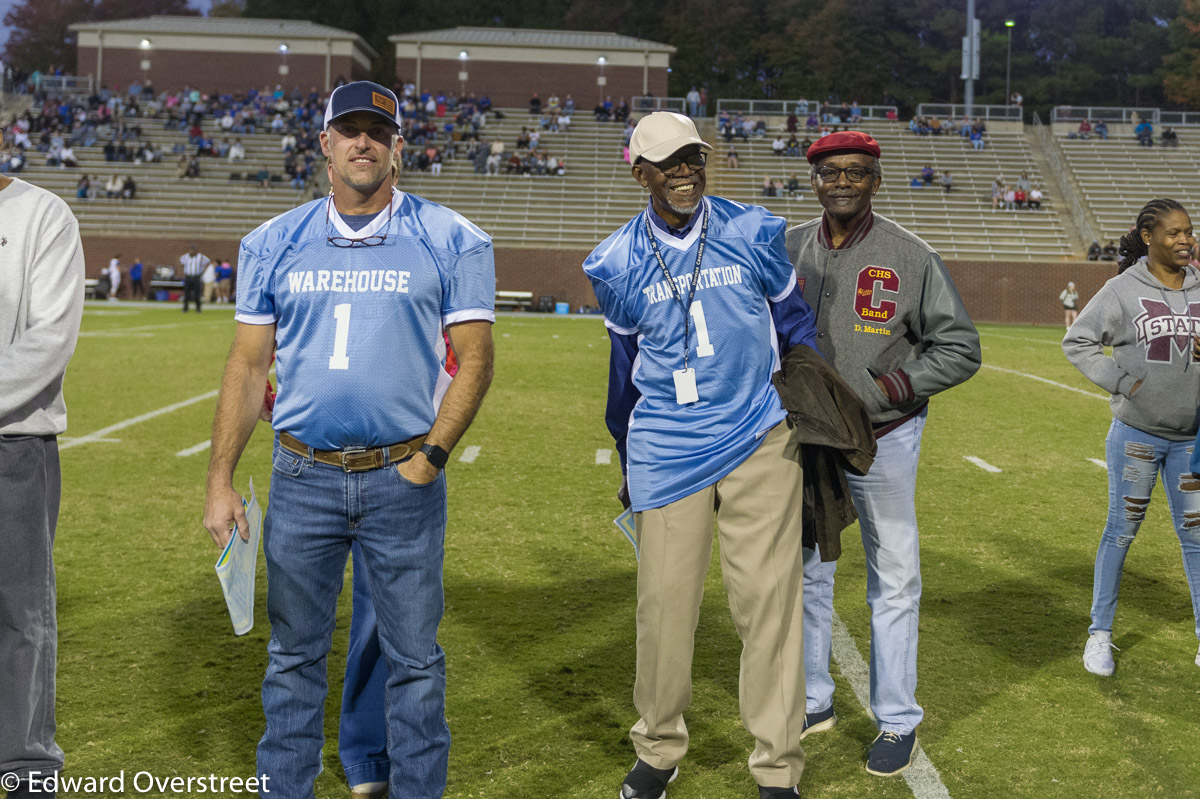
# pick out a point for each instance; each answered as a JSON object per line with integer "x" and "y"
{"x": 700, "y": 300}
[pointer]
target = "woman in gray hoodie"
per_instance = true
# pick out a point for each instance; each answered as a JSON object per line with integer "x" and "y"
{"x": 1150, "y": 315}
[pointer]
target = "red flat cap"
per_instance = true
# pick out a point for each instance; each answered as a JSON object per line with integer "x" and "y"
{"x": 848, "y": 141}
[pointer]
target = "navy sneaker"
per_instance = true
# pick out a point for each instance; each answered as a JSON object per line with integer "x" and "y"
{"x": 891, "y": 753}
{"x": 777, "y": 793}
{"x": 647, "y": 782}
{"x": 818, "y": 722}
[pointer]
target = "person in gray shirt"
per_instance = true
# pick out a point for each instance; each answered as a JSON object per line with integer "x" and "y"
{"x": 41, "y": 305}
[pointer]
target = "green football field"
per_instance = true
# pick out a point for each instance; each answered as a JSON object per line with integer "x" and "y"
{"x": 539, "y": 625}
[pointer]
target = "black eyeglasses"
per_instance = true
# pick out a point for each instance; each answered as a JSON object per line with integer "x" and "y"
{"x": 832, "y": 174}
{"x": 365, "y": 241}
{"x": 670, "y": 165}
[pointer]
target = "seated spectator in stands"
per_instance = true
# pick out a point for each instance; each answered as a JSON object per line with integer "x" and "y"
{"x": 435, "y": 160}
{"x": 514, "y": 165}
{"x": 621, "y": 112}
{"x": 1093, "y": 253}
{"x": 778, "y": 146}
{"x": 927, "y": 175}
{"x": 804, "y": 145}
{"x": 82, "y": 187}
{"x": 855, "y": 113}
{"x": 263, "y": 177}
{"x": 114, "y": 188}
{"x": 793, "y": 186}
{"x": 535, "y": 138}
{"x": 223, "y": 147}
{"x": 535, "y": 105}
{"x": 777, "y": 185}
{"x": 1010, "y": 198}
{"x": 608, "y": 106}
{"x": 236, "y": 151}
{"x": 726, "y": 130}
{"x": 493, "y": 164}
{"x": 1085, "y": 129}
{"x": 1019, "y": 198}
{"x": 793, "y": 123}
{"x": 760, "y": 128}
{"x": 947, "y": 181}
{"x": 146, "y": 154}
{"x": 768, "y": 188}
{"x": 128, "y": 187}
{"x": 732, "y": 157}
{"x": 812, "y": 122}
{"x": 16, "y": 161}
{"x": 1144, "y": 133}
{"x": 195, "y": 133}
{"x": 288, "y": 143}
{"x": 965, "y": 129}
{"x": 792, "y": 148}
{"x": 1110, "y": 251}
{"x": 748, "y": 128}
{"x": 935, "y": 126}
{"x": 193, "y": 168}
{"x": 1169, "y": 138}
{"x": 1035, "y": 198}
{"x": 1101, "y": 129}
{"x": 67, "y": 158}
{"x": 997, "y": 193}
{"x": 977, "y": 138}
{"x": 122, "y": 152}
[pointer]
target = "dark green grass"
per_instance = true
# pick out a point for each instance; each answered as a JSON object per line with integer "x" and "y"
{"x": 539, "y": 629}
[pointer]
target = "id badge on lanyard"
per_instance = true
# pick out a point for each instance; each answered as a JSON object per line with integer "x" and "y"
{"x": 685, "y": 378}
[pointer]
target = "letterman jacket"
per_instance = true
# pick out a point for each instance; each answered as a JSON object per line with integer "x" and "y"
{"x": 886, "y": 307}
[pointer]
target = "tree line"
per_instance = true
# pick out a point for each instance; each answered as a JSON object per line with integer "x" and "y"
{"x": 902, "y": 52}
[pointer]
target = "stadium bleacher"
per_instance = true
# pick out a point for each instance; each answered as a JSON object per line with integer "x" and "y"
{"x": 595, "y": 196}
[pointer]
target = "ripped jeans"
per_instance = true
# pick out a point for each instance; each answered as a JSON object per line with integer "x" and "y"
{"x": 1135, "y": 459}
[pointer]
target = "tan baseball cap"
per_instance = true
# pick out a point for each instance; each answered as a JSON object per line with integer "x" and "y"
{"x": 662, "y": 134}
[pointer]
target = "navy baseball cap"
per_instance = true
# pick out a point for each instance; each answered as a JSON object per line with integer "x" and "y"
{"x": 363, "y": 95}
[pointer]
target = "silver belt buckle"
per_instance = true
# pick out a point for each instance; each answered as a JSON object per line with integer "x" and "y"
{"x": 350, "y": 451}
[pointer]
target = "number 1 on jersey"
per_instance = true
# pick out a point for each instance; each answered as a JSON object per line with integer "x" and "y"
{"x": 704, "y": 347}
{"x": 341, "y": 337}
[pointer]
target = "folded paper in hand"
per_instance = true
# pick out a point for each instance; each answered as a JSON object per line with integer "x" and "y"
{"x": 236, "y": 568}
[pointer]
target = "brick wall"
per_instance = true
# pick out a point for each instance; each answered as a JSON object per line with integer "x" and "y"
{"x": 215, "y": 72}
{"x": 1024, "y": 293}
{"x": 510, "y": 85}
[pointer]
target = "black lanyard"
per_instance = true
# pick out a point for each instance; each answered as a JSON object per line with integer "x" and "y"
{"x": 687, "y": 309}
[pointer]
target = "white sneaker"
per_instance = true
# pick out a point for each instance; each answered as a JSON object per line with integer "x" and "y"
{"x": 1097, "y": 655}
{"x": 369, "y": 790}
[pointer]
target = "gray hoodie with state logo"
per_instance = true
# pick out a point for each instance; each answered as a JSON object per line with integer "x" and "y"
{"x": 1150, "y": 328}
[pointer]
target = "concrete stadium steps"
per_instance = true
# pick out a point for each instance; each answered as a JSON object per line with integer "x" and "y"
{"x": 1117, "y": 177}
{"x": 595, "y": 197}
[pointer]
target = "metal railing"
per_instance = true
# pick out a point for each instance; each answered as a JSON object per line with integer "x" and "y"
{"x": 801, "y": 108}
{"x": 645, "y": 105}
{"x": 1000, "y": 113}
{"x": 65, "y": 85}
{"x": 1064, "y": 185}
{"x": 1078, "y": 113}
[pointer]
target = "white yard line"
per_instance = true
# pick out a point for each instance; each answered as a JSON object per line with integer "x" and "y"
{"x": 922, "y": 776}
{"x": 203, "y": 445}
{"x": 68, "y": 439}
{"x": 1099, "y": 463}
{"x": 982, "y": 464}
{"x": 121, "y": 331}
{"x": 603, "y": 457}
{"x": 1055, "y": 342}
{"x": 112, "y": 428}
{"x": 469, "y": 455}
{"x": 1044, "y": 380}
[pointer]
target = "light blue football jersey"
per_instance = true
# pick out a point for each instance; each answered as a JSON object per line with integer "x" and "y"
{"x": 359, "y": 347}
{"x": 675, "y": 450}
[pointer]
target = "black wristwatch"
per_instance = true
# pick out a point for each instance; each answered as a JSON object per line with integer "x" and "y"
{"x": 436, "y": 455}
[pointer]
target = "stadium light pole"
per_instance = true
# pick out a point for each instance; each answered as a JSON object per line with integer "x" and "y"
{"x": 600, "y": 81}
{"x": 145, "y": 46}
{"x": 283, "y": 51}
{"x": 462, "y": 73}
{"x": 1008, "y": 23}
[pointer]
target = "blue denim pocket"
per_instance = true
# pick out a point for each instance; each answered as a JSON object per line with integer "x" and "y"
{"x": 410, "y": 483}
{"x": 288, "y": 463}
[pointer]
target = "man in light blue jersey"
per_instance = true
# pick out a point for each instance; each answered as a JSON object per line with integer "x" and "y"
{"x": 352, "y": 293}
{"x": 699, "y": 299}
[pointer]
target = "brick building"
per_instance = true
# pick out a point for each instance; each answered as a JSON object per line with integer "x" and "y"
{"x": 220, "y": 54}
{"x": 509, "y": 64}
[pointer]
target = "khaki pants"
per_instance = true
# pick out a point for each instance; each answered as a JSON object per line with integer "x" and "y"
{"x": 759, "y": 523}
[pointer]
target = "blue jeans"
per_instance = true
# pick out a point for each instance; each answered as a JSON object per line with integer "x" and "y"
{"x": 315, "y": 514}
{"x": 1135, "y": 459}
{"x": 885, "y": 501}
{"x": 362, "y": 736}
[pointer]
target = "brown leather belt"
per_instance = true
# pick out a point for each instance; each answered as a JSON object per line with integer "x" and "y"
{"x": 354, "y": 459}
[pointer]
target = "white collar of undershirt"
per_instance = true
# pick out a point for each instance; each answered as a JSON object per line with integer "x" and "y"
{"x": 687, "y": 241}
{"x": 372, "y": 228}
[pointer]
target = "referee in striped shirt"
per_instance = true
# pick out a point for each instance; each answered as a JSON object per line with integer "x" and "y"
{"x": 194, "y": 264}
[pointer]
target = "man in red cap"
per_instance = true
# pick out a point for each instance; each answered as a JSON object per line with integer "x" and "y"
{"x": 891, "y": 322}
